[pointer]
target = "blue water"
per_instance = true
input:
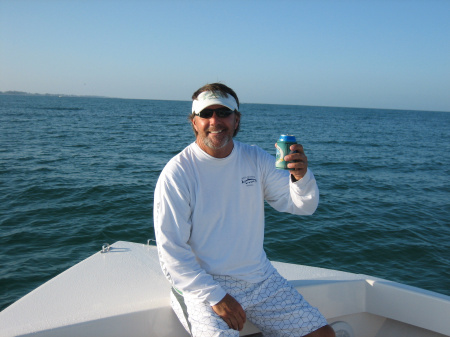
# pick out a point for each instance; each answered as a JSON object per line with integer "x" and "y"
{"x": 78, "y": 172}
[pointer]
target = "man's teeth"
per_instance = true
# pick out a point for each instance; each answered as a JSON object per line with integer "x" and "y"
{"x": 218, "y": 131}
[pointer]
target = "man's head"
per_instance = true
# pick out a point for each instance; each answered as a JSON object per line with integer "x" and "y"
{"x": 214, "y": 94}
{"x": 215, "y": 119}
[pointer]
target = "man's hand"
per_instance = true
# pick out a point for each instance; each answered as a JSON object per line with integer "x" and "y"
{"x": 299, "y": 168}
{"x": 231, "y": 312}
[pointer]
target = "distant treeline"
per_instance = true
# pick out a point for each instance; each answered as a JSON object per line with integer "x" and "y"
{"x": 22, "y": 93}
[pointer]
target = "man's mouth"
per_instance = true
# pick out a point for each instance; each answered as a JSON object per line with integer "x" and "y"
{"x": 216, "y": 131}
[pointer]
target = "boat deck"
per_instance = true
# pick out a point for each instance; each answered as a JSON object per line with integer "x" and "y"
{"x": 123, "y": 293}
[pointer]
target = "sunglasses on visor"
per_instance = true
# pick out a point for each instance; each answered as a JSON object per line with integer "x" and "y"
{"x": 221, "y": 113}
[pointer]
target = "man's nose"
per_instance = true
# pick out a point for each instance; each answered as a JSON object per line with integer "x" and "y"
{"x": 214, "y": 118}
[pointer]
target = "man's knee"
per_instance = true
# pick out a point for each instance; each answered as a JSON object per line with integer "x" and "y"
{"x": 325, "y": 331}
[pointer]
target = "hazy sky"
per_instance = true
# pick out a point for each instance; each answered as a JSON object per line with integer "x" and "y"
{"x": 381, "y": 54}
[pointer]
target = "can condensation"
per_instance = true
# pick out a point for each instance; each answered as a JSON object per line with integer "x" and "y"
{"x": 283, "y": 149}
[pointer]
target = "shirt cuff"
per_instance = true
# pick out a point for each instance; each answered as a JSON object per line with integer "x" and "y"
{"x": 306, "y": 178}
{"x": 216, "y": 296}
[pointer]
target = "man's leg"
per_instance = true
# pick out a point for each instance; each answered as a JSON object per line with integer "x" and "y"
{"x": 279, "y": 310}
{"x": 199, "y": 319}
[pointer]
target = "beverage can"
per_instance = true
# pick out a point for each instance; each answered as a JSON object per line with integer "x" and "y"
{"x": 283, "y": 149}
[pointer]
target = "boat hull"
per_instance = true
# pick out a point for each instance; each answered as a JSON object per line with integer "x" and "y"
{"x": 123, "y": 292}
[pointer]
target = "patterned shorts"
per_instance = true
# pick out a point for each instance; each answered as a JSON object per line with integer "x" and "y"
{"x": 274, "y": 306}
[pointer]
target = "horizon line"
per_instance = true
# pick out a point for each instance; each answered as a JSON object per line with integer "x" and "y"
{"x": 24, "y": 93}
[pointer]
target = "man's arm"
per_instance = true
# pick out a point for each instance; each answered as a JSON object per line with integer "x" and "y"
{"x": 172, "y": 230}
{"x": 293, "y": 191}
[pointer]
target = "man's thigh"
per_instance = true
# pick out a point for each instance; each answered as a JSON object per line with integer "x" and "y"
{"x": 273, "y": 305}
{"x": 199, "y": 319}
{"x": 277, "y": 309}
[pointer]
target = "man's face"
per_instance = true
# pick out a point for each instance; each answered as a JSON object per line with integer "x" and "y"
{"x": 215, "y": 134}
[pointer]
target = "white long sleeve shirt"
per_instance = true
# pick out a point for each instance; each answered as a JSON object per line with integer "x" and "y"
{"x": 209, "y": 216}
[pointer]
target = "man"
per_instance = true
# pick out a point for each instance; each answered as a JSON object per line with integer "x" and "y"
{"x": 209, "y": 226}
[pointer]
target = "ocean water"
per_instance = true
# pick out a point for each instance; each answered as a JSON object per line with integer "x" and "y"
{"x": 78, "y": 172}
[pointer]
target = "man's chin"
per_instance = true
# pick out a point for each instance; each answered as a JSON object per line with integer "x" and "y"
{"x": 217, "y": 144}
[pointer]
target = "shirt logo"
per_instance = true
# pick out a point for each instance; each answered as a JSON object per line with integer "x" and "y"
{"x": 248, "y": 181}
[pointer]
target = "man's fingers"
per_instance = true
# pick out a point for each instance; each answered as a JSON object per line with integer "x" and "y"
{"x": 236, "y": 322}
{"x": 233, "y": 323}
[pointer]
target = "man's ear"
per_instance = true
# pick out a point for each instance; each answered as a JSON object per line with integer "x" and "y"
{"x": 194, "y": 125}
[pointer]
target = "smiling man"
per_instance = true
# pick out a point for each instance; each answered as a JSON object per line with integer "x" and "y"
{"x": 209, "y": 227}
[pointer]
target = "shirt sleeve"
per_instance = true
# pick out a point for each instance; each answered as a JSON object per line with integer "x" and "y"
{"x": 172, "y": 213}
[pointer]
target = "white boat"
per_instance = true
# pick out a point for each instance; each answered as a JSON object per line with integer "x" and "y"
{"x": 122, "y": 292}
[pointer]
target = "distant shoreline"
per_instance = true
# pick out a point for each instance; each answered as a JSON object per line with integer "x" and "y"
{"x": 23, "y": 93}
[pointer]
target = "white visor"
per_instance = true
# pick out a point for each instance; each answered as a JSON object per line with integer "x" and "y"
{"x": 208, "y": 98}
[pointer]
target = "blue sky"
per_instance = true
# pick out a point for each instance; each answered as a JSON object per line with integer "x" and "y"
{"x": 371, "y": 54}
